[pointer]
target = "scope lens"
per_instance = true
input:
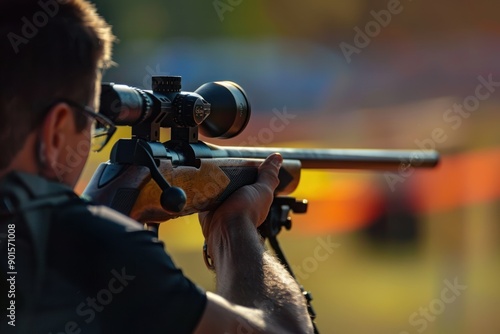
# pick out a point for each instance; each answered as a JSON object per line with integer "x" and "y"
{"x": 229, "y": 112}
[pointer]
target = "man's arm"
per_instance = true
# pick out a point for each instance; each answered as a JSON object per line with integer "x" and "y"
{"x": 255, "y": 293}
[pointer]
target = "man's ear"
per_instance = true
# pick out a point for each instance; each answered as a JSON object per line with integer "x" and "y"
{"x": 57, "y": 125}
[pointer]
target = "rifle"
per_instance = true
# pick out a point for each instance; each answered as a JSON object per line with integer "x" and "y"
{"x": 152, "y": 181}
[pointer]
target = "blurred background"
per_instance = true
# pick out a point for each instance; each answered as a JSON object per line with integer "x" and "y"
{"x": 381, "y": 253}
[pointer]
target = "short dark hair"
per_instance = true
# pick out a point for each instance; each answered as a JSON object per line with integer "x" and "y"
{"x": 49, "y": 49}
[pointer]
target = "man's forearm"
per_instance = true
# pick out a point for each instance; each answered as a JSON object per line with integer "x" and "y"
{"x": 247, "y": 275}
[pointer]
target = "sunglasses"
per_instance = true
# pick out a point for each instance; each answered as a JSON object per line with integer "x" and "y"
{"x": 102, "y": 127}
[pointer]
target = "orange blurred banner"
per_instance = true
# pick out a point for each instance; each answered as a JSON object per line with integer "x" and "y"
{"x": 459, "y": 180}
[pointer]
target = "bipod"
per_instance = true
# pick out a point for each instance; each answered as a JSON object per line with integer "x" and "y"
{"x": 279, "y": 217}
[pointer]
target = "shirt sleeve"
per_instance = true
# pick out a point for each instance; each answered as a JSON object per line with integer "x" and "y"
{"x": 131, "y": 283}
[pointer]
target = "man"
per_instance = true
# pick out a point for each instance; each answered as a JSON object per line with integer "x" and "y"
{"x": 70, "y": 267}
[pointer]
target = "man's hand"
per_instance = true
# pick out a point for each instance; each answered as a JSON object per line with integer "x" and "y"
{"x": 250, "y": 203}
{"x": 255, "y": 293}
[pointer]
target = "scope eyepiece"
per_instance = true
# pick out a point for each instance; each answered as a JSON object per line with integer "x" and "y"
{"x": 124, "y": 105}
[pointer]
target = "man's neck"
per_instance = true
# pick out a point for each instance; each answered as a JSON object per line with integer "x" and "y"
{"x": 24, "y": 160}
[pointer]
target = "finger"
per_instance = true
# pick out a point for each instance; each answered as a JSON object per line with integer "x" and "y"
{"x": 202, "y": 216}
{"x": 268, "y": 171}
{"x": 205, "y": 219}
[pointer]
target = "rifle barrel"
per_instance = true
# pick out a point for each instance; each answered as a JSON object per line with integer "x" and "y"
{"x": 371, "y": 159}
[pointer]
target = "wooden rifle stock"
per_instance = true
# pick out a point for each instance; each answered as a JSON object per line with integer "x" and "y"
{"x": 131, "y": 190}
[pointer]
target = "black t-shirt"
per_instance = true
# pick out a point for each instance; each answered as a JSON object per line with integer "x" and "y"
{"x": 104, "y": 274}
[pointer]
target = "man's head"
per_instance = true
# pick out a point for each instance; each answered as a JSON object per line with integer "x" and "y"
{"x": 49, "y": 50}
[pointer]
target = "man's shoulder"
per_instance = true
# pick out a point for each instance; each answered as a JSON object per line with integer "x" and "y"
{"x": 99, "y": 224}
{"x": 89, "y": 213}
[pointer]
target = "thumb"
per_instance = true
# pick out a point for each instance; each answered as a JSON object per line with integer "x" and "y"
{"x": 269, "y": 169}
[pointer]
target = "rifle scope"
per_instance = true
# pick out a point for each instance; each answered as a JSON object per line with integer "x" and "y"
{"x": 219, "y": 109}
